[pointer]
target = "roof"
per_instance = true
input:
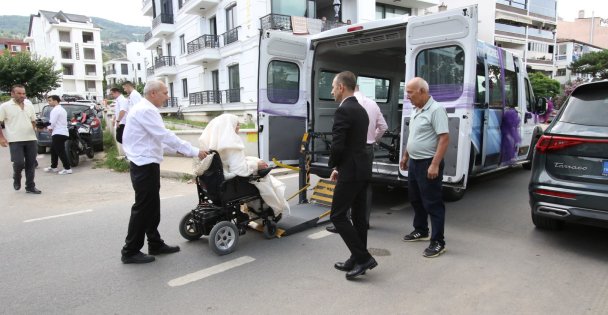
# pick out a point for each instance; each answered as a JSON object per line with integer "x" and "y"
{"x": 56, "y": 17}
{"x": 568, "y": 40}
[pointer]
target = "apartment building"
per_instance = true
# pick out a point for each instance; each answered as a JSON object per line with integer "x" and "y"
{"x": 12, "y": 46}
{"x": 525, "y": 27}
{"x": 591, "y": 30}
{"x": 132, "y": 68}
{"x": 569, "y": 50}
{"x": 74, "y": 43}
{"x": 207, "y": 50}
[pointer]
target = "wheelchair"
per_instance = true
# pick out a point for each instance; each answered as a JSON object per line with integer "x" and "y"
{"x": 218, "y": 213}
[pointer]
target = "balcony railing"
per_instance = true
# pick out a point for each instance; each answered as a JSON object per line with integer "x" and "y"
{"x": 231, "y": 36}
{"x": 162, "y": 18}
{"x": 150, "y": 71}
{"x": 111, "y": 71}
{"x": 283, "y": 22}
{"x": 215, "y": 97}
{"x": 164, "y": 61}
{"x": 171, "y": 102}
{"x": 147, "y": 36}
{"x": 205, "y": 41}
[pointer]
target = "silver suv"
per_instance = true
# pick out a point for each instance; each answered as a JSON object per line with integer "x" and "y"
{"x": 569, "y": 179}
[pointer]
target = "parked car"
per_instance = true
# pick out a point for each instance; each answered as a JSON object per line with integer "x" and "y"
{"x": 44, "y": 136}
{"x": 569, "y": 181}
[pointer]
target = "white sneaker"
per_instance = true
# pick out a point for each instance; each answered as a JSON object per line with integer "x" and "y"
{"x": 65, "y": 172}
{"x": 50, "y": 169}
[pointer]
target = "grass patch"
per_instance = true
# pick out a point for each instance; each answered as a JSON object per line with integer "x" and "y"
{"x": 112, "y": 160}
{"x": 185, "y": 122}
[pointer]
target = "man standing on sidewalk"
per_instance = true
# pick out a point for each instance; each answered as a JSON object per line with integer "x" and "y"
{"x": 426, "y": 145}
{"x": 134, "y": 98}
{"x": 145, "y": 137}
{"x": 121, "y": 104}
{"x": 20, "y": 120}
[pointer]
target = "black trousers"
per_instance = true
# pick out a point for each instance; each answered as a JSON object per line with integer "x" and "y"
{"x": 23, "y": 156}
{"x": 426, "y": 198}
{"x": 58, "y": 151}
{"x": 351, "y": 195}
{"x": 119, "y": 132}
{"x": 145, "y": 212}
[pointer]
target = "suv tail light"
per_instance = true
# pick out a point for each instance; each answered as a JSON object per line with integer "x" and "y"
{"x": 555, "y": 143}
{"x": 558, "y": 194}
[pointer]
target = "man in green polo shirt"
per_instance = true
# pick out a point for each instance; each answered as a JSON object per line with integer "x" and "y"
{"x": 19, "y": 119}
{"x": 426, "y": 145}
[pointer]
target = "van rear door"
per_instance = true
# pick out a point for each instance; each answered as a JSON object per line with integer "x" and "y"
{"x": 442, "y": 49}
{"x": 282, "y": 100}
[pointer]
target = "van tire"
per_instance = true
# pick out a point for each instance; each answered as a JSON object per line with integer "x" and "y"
{"x": 545, "y": 223}
{"x": 452, "y": 193}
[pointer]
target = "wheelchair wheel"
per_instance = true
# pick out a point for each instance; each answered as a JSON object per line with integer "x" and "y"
{"x": 224, "y": 238}
{"x": 189, "y": 228}
{"x": 270, "y": 229}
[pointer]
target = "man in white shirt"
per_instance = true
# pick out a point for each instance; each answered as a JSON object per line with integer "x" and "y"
{"x": 145, "y": 139}
{"x": 59, "y": 134}
{"x": 20, "y": 121}
{"x": 120, "y": 112}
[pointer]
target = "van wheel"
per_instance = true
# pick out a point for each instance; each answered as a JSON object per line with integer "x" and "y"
{"x": 41, "y": 149}
{"x": 453, "y": 193}
{"x": 545, "y": 223}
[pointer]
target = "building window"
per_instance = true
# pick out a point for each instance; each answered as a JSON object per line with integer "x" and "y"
{"x": 180, "y": 3}
{"x": 387, "y": 11}
{"x": 90, "y": 85}
{"x": 90, "y": 69}
{"x": 68, "y": 69}
{"x": 139, "y": 66}
{"x": 283, "y": 82}
{"x": 15, "y": 48}
{"x": 234, "y": 85}
{"x": 561, "y": 72}
{"x": 89, "y": 53}
{"x": 231, "y": 17}
{"x": 184, "y": 87}
{"x": 64, "y": 37}
{"x": 124, "y": 68}
{"x": 87, "y": 37}
{"x": 139, "y": 80}
{"x": 542, "y": 7}
{"x": 290, "y": 7}
{"x": 66, "y": 53}
{"x": 182, "y": 44}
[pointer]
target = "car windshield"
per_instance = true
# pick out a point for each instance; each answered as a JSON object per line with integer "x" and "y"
{"x": 587, "y": 106}
{"x": 69, "y": 108}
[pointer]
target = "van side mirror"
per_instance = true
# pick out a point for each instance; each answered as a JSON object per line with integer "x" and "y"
{"x": 540, "y": 108}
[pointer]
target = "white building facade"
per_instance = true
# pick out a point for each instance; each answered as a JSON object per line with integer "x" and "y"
{"x": 206, "y": 51}
{"x": 132, "y": 68}
{"x": 74, "y": 43}
{"x": 568, "y": 51}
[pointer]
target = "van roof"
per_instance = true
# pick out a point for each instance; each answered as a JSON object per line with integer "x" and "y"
{"x": 366, "y": 26}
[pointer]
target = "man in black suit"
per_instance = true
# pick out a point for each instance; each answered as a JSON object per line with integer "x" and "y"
{"x": 352, "y": 172}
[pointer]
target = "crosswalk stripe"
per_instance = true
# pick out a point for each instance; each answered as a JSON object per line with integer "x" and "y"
{"x": 58, "y": 216}
{"x": 207, "y": 272}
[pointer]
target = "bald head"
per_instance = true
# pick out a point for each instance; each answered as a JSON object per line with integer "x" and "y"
{"x": 417, "y": 90}
{"x": 156, "y": 92}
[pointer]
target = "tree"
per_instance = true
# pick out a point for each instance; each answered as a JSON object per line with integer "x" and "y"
{"x": 36, "y": 74}
{"x": 593, "y": 63}
{"x": 543, "y": 86}
{"x": 568, "y": 89}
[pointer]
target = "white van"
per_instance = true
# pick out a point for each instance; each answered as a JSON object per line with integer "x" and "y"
{"x": 485, "y": 90}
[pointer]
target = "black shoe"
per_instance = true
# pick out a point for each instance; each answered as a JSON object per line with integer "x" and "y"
{"x": 345, "y": 266}
{"x": 139, "y": 258}
{"x": 33, "y": 190}
{"x": 434, "y": 250}
{"x": 163, "y": 249}
{"x": 416, "y": 236}
{"x": 359, "y": 269}
{"x": 17, "y": 184}
{"x": 331, "y": 228}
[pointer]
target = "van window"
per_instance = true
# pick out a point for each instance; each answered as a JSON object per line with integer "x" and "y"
{"x": 401, "y": 92}
{"x": 511, "y": 88}
{"x": 443, "y": 69}
{"x": 495, "y": 87}
{"x": 480, "y": 88}
{"x": 324, "y": 85}
{"x": 283, "y": 82}
{"x": 374, "y": 88}
{"x": 529, "y": 98}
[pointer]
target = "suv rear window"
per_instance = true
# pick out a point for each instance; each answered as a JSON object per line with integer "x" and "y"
{"x": 588, "y": 106}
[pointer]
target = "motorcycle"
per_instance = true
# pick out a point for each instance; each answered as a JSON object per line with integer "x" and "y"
{"x": 79, "y": 140}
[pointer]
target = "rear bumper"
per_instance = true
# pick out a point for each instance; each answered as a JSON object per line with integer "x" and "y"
{"x": 575, "y": 211}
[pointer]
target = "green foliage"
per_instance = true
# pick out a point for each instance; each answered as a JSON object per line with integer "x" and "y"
{"x": 568, "y": 89}
{"x": 189, "y": 123}
{"x": 112, "y": 160}
{"x": 36, "y": 74}
{"x": 14, "y": 26}
{"x": 543, "y": 86}
{"x": 594, "y": 63}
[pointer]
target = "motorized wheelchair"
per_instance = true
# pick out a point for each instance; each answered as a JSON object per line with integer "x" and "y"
{"x": 218, "y": 213}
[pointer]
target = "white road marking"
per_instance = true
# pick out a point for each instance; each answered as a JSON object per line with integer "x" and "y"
{"x": 399, "y": 207}
{"x": 58, "y": 216}
{"x": 318, "y": 235}
{"x": 168, "y": 197}
{"x": 204, "y": 273}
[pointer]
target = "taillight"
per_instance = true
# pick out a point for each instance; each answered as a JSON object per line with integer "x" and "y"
{"x": 95, "y": 123}
{"x": 557, "y": 194}
{"x": 354, "y": 28}
{"x": 554, "y": 143}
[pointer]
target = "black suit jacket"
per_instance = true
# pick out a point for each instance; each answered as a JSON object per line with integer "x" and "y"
{"x": 349, "y": 138}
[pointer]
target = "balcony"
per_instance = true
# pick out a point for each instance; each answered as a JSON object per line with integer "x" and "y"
{"x": 165, "y": 66}
{"x": 197, "y": 7}
{"x": 147, "y": 7}
{"x": 110, "y": 71}
{"x": 150, "y": 72}
{"x": 151, "y": 42}
{"x": 283, "y": 22}
{"x": 231, "y": 36}
{"x": 171, "y": 102}
{"x": 204, "y": 48}
{"x": 163, "y": 25}
{"x": 215, "y": 97}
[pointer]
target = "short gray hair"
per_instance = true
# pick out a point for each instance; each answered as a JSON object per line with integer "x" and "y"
{"x": 152, "y": 85}
{"x": 421, "y": 84}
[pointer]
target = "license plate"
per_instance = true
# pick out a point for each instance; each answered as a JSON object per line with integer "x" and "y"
{"x": 605, "y": 168}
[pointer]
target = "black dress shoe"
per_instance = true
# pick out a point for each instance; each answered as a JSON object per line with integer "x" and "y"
{"x": 139, "y": 258}
{"x": 331, "y": 228}
{"x": 345, "y": 266}
{"x": 164, "y": 249}
{"x": 33, "y": 191}
{"x": 360, "y": 269}
{"x": 16, "y": 184}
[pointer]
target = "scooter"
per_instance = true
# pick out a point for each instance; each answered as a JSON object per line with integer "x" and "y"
{"x": 79, "y": 140}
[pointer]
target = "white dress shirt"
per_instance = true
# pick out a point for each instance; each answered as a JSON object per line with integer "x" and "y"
{"x": 134, "y": 98}
{"x": 377, "y": 125}
{"x": 59, "y": 121}
{"x": 122, "y": 103}
{"x": 145, "y": 136}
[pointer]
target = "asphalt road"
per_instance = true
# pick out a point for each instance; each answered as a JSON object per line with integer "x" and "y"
{"x": 60, "y": 254}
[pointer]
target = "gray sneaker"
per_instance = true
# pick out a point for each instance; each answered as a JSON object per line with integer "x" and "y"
{"x": 416, "y": 236}
{"x": 434, "y": 250}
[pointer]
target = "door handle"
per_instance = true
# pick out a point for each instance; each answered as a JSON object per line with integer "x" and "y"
{"x": 260, "y": 128}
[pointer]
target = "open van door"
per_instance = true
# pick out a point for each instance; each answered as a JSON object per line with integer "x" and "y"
{"x": 282, "y": 100}
{"x": 442, "y": 49}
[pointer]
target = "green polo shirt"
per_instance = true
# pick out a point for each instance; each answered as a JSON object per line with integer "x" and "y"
{"x": 426, "y": 124}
